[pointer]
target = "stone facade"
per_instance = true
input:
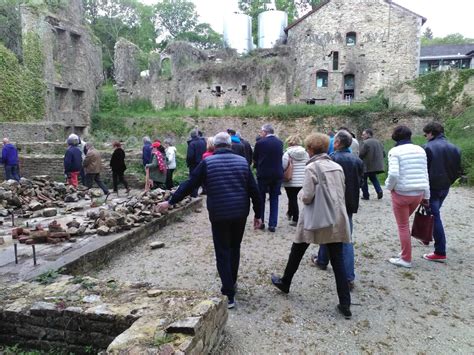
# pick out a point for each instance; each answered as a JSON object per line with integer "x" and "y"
{"x": 361, "y": 46}
{"x": 383, "y": 50}
{"x": 72, "y": 63}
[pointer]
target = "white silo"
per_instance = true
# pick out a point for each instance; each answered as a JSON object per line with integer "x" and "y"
{"x": 271, "y": 28}
{"x": 238, "y": 32}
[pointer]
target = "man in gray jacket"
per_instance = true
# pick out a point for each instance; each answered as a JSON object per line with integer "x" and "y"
{"x": 372, "y": 154}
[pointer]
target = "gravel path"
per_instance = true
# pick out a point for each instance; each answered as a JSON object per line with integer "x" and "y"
{"x": 427, "y": 309}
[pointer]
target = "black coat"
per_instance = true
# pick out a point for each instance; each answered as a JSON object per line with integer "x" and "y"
{"x": 196, "y": 148}
{"x": 267, "y": 157}
{"x": 444, "y": 162}
{"x": 353, "y": 172}
{"x": 248, "y": 150}
{"x": 117, "y": 161}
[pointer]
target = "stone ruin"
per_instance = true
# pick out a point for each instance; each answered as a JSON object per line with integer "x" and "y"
{"x": 72, "y": 63}
{"x": 82, "y": 315}
{"x": 186, "y": 76}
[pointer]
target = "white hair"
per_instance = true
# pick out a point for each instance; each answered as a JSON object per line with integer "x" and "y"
{"x": 222, "y": 138}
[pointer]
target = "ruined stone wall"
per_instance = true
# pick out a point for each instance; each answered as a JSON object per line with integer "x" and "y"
{"x": 72, "y": 63}
{"x": 386, "y": 49}
{"x": 200, "y": 80}
{"x": 33, "y": 132}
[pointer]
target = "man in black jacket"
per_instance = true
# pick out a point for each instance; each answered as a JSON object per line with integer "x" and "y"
{"x": 267, "y": 157}
{"x": 353, "y": 172}
{"x": 196, "y": 148}
{"x": 230, "y": 185}
{"x": 444, "y": 167}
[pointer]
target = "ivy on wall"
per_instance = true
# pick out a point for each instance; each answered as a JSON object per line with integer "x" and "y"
{"x": 22, "y": 89}
{"x": 440, "y": 90}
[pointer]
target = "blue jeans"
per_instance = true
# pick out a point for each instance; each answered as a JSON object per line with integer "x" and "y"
{"x": 273, "y": 188}
{"x": 227, "y": 237}
{"x": 436, "y": 201}
{"x": 12, "y": 172}
{"x": 347, "y": 254}
{"x": 365, "y": 185}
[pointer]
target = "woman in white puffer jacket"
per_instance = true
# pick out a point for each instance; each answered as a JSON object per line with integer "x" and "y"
{"x": 299, "y": 157}
{"x": 408, "y": 181}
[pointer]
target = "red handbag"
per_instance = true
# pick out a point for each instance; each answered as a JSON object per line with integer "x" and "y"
{"x": 423, "y": 224}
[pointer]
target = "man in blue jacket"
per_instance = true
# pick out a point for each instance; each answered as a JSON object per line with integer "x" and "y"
{"x": 267, "y": 157}
{"x": 72, "y": 162}
{"x": 444, "y": 167}
{"x": 10, "y": 160}
{"x": 146, "y": 151}
{"x": 230, "y": 185}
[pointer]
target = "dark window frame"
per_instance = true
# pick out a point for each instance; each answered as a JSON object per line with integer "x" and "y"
{"x": 351, "y": 38}
{"x": 324, "y": 76}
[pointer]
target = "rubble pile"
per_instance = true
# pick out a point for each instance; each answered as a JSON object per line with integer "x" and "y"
{"x": 54, "y": 234}
{"x": 128, "y": 214}
{"x": 39, "y": 193}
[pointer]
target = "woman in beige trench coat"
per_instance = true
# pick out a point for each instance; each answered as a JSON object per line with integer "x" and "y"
{"x": 326, "y": 218}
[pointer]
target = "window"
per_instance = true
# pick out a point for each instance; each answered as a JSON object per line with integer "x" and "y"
{"x": 60, "y": 98}
{"x": 77, "y": 100}
{"x": 322, "y": 79}
{"x": 351, "y": 38}
{"x": 218, "y": 91}
{"x": 335, "y": 60}
{"x": 349, "y": 87}
{"x": 244, "y": 89}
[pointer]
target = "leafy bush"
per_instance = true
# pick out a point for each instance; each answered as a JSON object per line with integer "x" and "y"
{"x": 22, "y": 88}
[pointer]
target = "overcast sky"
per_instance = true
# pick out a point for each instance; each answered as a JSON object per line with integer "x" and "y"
{"x": 444, "y": 17}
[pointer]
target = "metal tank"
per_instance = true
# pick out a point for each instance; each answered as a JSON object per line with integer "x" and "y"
{"x": 238, "y": 32}
{"x": 271, "y": 26}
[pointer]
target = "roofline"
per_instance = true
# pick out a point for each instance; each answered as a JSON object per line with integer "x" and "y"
{"x": 321, "y": 4}
{"x": 454, "y": 56}
{"x": 324, "y": 2}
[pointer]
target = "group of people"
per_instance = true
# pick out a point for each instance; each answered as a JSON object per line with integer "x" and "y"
{"x": 326, "y": 174}
{"x": 159, "y": 161}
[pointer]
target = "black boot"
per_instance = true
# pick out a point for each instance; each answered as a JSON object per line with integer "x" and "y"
{"x": 278, "y": 283}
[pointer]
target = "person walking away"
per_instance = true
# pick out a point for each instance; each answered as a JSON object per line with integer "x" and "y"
{"x": 353, "y": 168}
{"x": 170, "y": 151}
{"x": 230, "y": 186}
{"x": 372, "y": 154}
{"x": 247, "y": 147}
{"x": 408, "y": 183}
{"x": 196, "y": 148}
{"x": 72, "y": 162}
{"x": 117, "y": 164}
{"x": 157, "y": 168}
{"x": 267, "y": 158}
{"x": 10, "y": 160}
{"x": 92, "y": 166}
{"x": 237, "y": 146}
{"x": 146, "y": 151}
{"x": 297, "y": 156}
{"x": 354, "y": 148}
{"x": 323, "y": 190}
{"x": 444, "y": 167}
{"x": 210, "y": 148}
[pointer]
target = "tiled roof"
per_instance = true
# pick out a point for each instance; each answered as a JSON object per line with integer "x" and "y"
{"x": 446, "y": 50}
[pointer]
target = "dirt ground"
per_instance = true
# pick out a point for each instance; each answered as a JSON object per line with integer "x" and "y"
{"x": 427, "y": 309}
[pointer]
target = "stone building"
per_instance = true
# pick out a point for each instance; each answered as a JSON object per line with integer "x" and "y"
{"x": 350, "y": 49}
{"x": 342, "y": 50}
{"x": 72, "y": 63}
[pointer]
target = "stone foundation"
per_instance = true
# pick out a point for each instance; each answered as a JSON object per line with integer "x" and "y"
{"x": 84, "y": 315}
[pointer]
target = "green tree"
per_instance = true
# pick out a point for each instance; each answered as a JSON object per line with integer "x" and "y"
{"x": 112, "y": 19}
{"x": 179, "y": 21}
{"x": 10, "y": 26}
{"x": 428, "y": 34}
{"x": 454, "y": 38}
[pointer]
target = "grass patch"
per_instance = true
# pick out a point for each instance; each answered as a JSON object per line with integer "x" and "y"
{"x": 48, "y": 277}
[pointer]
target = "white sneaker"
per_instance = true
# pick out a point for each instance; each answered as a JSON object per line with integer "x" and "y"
{"x": 399, "y": 262}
